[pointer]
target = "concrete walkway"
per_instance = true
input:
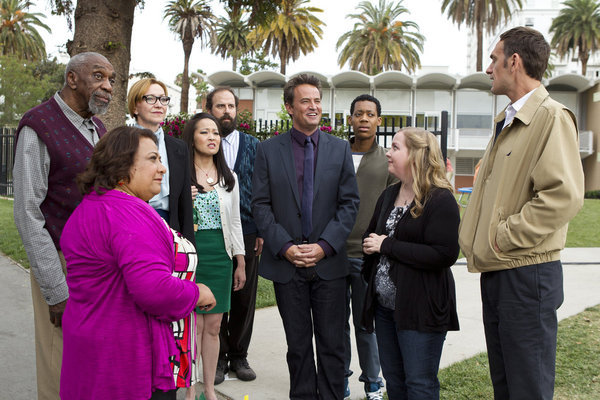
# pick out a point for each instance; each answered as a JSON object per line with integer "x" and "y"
{"x": 268, "y": 347}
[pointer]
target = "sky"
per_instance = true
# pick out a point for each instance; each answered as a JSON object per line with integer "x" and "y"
{"x": 156, "y": 49}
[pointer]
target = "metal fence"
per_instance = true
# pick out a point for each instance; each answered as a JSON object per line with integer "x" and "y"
{"x": 385, "y": 133}
{"x": 7, "y": 145}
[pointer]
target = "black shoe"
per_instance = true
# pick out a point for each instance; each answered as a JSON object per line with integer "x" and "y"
{"x": 242, "y": 369}
{"x": 222, "y": 369}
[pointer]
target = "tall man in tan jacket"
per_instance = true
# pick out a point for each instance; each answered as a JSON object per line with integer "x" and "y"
{"x": 529, "y": 186}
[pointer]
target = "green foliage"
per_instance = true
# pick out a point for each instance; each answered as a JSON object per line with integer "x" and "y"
{"x": 18, "y": 34}
{"x": 257, "y": 61}
{"x": 380, "y": 42}
{"x": 577, "y": 28}
{"x": 592, "y": 194}
{"x": 55, "y": 74}
{"x": 10, "y": 241}
{"x": 142, "y": 75}
{"x": 20, "y": 88}
{"x": 265, "y": 296}
{"x": 198, "y": 82}
{"x": 292, "y": 31}
{"x": 232, "y": 37}
{"x": 260, "y": 11}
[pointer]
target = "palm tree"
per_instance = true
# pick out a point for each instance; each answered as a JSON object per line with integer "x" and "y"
{"x": 480, "y": 14}
{"x": 232, "y": 37}
{"x": 189, "y": 19}
{"x": 577, "y": 27}
{"x": 379, "y": 42}
{"x": 18, "y": 33}
{"x": 290, "y": 32}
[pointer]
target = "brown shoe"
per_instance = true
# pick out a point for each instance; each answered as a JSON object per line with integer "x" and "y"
{"x": 222, "y": 369}
{"x": 242, "y": 369}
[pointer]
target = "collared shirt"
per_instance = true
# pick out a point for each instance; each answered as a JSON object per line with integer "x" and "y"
{"x": 30, "y": 172}
{"x": 513, "y": 108}
{"x": 231, "y": 146}
{"x": 161, "y": 200}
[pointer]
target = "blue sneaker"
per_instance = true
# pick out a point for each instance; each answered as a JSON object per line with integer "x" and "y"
{"x": 373, "y": 391}
{"x": 346, "y": 390}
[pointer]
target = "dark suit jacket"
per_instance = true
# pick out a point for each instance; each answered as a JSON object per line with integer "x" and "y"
{"x": 180, "y": 198}
{"x": 276, "y": 205}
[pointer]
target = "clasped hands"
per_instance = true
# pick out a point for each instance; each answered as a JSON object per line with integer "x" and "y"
{"x": 304, "y": 255}
{"x": 372, "y": 243}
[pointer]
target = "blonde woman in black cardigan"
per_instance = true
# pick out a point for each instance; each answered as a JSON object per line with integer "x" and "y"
{"x": 410, "y": 245}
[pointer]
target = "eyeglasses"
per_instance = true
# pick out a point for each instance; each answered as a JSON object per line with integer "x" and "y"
{"x": 151, "y": 99}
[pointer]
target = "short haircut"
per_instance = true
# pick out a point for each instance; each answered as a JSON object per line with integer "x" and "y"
{"x": 78, "y": 61}
{"x": 224, "y": 174}
{"x": 366, "y": 97}
{"x": 531, "y": 46}
{"x": 112, "y": 159}
{"x": 209, "y": 97}
{"x": 138, "y": 90}
{"x": 302, "y": 79}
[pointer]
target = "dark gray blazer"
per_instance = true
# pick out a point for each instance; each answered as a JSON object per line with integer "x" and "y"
{"x": 276, "y": 205}
{"x": 180, "y": 197}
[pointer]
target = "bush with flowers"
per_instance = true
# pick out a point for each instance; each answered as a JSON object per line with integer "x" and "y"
{"x": 173, "y": 124}
{"x": 262, "y": 130}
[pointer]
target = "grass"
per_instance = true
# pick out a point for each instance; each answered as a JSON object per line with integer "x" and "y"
{"x": 577, "y": 365}
{"x": 10, "y": 241}
{"x": 583, "y": 232}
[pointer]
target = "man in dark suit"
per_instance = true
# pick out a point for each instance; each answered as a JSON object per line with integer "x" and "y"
{"x": 304, "y": 202}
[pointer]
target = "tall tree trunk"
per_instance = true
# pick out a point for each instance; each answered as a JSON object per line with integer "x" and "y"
{"x": 479, "y": 46}
{"x": 283, "y": 59}
{"x": 584, "y": 57}
{"x": 105, "y": 27}
{"x": 234, "y": 63}
{"x": 188, "y": 43}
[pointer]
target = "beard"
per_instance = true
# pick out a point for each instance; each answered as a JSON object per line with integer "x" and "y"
{"x": 96, "y": 106}
{"x": 228, "y": 124}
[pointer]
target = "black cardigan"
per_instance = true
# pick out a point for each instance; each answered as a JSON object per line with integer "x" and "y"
{"x": 421, "y": 253}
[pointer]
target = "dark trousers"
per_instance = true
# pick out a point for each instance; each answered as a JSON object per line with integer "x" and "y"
{"x": 409, "y": 359}
{"x": 236, "y": 325}
{"x": 308, "y": 303}
{"x": 168, "y": 395}
{"x": 519, "y": 317}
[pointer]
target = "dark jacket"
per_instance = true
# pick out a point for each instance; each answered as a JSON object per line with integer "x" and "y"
{"x": 421, "y": 253}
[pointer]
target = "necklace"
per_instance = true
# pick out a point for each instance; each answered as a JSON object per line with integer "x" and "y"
{"x": 407, "y": 200}
{"x": 209, "y": 179}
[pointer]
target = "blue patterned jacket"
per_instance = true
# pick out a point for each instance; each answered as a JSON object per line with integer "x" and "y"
{"x": 244, "y": 168}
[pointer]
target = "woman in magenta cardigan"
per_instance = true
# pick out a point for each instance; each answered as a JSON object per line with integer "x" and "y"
{"x": 120, "y": 258}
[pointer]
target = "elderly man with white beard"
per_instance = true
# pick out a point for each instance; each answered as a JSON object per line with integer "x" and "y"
{"x": 54, "y": 143}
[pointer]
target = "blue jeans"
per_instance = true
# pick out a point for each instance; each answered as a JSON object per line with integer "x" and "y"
{"x": 409, "y": 359}
{"x": 366, "y": 343}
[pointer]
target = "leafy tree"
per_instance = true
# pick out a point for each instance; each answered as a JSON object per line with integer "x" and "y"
{"x": 142, "y": 75}
{"x": 479, "y": 15}
{"x": 292, "y": 31}
{"x": 20, "y": 89}
{"x": 577, "y": 28}
{"x": 232, "y": 37}
{"x": 255, "y": 62}
{"x": 18, "y": 33}
{"x": 259, "y": 11}
{"x": 189, "y": 19}
{"x": 379, "y": 41}
{"x": 52, "y": 72}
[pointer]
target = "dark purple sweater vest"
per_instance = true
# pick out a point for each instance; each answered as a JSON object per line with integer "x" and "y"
{"x": 70, "y": 153}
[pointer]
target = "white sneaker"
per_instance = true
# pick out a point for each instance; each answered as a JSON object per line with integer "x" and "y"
{"x": 376, "y": 395}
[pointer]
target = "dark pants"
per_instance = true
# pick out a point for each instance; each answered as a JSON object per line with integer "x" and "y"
{"x": 366, "y": 343}
{"x": 236, "y": 325}
{"x": 409, "y": 359}
{"x": 519, "y": 317}
{"x": 308, "y": 303}
{"x": 160, "y": 395}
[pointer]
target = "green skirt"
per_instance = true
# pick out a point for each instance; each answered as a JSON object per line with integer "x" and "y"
{"x": 214, "y": 268}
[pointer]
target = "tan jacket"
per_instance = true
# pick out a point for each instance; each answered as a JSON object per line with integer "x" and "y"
{"x": 530, "y": 185}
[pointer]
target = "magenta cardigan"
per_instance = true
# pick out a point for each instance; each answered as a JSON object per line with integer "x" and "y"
{"x": 122, "y": 298}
